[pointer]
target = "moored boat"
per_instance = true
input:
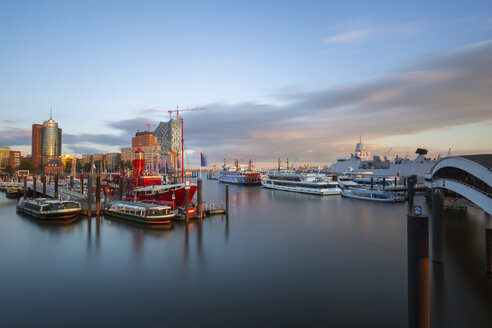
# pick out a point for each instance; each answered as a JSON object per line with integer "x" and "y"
{"x": 377, "y": 195}
{"x": 140, "y": 212}
{"x": 50, "y": 209}
{"x": 309, "y": 183}
{"x": 239, "y": 174}
{"x": 14, "y": 192}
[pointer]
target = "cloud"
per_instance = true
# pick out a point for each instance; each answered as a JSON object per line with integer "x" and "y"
{"x": 14, "y": 135}
{"x": 349, "y": 36}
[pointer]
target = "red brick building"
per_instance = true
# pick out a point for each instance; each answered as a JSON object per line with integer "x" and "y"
{"x": 37, "y": 144}
{"x": 144, "y": 139}
{"x": 15, "y": 158}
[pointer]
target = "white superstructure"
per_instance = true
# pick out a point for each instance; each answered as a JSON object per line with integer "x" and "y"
{"x": 309, "y": 183}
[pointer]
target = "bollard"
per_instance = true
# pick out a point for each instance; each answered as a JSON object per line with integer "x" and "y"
{"x": 410, "y": 185}
{"x": 25, "y": 187}
{"x": 44, "y": 186}
{"x": 82, "y": 184}
{"x": 89, "y": 196}
{"x": 199, "y": 198}
{"x": 71, "y": 182}
{"x": 227, "y": 200}
{"x": 34, "y": 192}
{"x": 186, "y": 204}
{"x": 418, "y": 270}
{"x": 98, "y": 195}
{"x": 488, "y": 250}
{"x": 437, "y": 224}
{"x": 56, "y": 186}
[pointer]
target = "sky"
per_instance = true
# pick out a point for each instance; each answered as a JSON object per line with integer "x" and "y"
{"x": 290, "y": 79}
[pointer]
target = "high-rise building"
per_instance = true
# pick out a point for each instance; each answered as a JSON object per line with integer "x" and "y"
{"x": 144, "y": 139}
{"x": 37, "y": 144}
{"x": 4, "y": 157}
{"x": 169, "y": 136}
{"x": 46, "y": 142}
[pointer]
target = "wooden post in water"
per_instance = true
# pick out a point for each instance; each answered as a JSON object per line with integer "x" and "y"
{"x": 98, "y": 195}
{"x": 396, "y": 181}
{"x": 25, "y": 187}
{"x": 372, "y": 183}
{"x": 34, "y": 192}
{"x": 56, "y": 186}
{"x": 384, "y": 183}
{"x": 89, "y": 196}
{"x": 44, "y": 185}
{"x": 411, "y": 180}
{"x": 71, "y": 182}
{"x": 437, "y": 224}
{"x": 199, "y": 198}
{"x": 82, "y": 184}
{"x": 488, "y": 250}
{"x": 227, "y": 200}
{"x": 418, "y": 270}
{"x": 186, "y": 204}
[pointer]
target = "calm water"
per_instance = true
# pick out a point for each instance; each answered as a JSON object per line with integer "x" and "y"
{"x": 281, "y": 259}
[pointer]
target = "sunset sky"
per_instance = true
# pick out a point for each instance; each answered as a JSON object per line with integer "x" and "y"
{"x": 297, "y": 79}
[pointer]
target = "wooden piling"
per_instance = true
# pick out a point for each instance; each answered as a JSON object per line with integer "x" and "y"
{"x": 227, "y": 200}
{"x": 34, "y": 192}
{"x": 82, "y": 184}
{"x": 488, "y": 250}
{"x": 372, "y": 183}
{"x": 89, "y": 196}
{"x": 186, "y": 204}
{"x": 56, "y": 186}
{"x": 384, "y": 183}
{"x": 98, "y": 195}
{"x": 44, "y": 186}
{"x": 71, "y": 182}
{"x": 25, "y": 187}
{"x": 199, "y": 198}
{"x": 120, "y": 191}
{"x": 418, "y": 271}
{"x": 437, "y": 225}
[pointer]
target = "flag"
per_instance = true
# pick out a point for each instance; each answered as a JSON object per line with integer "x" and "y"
{"x": 203, "y": 159}
{"x": 179, "y": 164}
{"x": 170, "y": 152}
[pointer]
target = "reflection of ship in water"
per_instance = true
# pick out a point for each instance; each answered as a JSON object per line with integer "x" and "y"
{"x": 361, "y": 160}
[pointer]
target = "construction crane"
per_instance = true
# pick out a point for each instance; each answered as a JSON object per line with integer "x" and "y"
{"x": 149, "y": 125}
{"x": 177, "y": 110}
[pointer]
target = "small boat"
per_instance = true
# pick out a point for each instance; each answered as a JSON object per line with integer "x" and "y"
{"x": 239, "y": 174}
{"x": 308, "y": 183}
{"x": 377, "y": 195}
{"x": 50, "y": 209}
{"x": 140, "y": 212}
{"x": 14, "y": 192}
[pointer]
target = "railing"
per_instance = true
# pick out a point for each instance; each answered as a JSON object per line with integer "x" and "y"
{"x": 467, "y": 185}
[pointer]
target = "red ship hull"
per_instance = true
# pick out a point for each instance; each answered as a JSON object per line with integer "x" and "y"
{"x": 164, "y": 197}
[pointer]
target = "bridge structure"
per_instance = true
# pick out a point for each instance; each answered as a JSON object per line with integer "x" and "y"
{"x": 469, "y": 176}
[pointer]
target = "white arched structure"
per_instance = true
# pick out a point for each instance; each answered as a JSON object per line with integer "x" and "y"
{"x": 478, "y": 167}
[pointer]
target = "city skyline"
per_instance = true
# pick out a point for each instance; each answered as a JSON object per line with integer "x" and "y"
{"x": 278, "y": 80}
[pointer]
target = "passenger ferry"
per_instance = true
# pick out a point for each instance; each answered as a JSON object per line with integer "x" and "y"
{"x": 309, "y": 183}
{"x": 366, "y": 180}
{"x": 239, "y": 174}
{"x": 51, "y": 209}
{"x": 140, "y": 212}
{"x": 14, "y": 192}
{"x": 377, "y": 195}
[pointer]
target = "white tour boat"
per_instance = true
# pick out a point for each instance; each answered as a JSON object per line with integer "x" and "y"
{"x": 309, "y": 183}
{"x": 377, "y": 195}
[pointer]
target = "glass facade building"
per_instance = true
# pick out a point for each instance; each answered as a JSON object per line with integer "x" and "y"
{"x": 51, "y": 139}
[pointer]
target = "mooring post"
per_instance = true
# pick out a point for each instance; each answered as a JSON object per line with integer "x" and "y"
{"x": 89, "y": 196}
{"x": 396, "y": 181}
{"x": 56, "y": 186}
{"x": 186, "y": 204}
{"x": 25, "y": 187}
{"x": 98, "y": 195}
{"x": 44, "y": 186}
{"x": 227, "y": 200}
{"x": 199, "y": 198}
{"x": 372, "y": 183}
{"x": 488, "y": 250}
{"x": 82, "y": 184}
{"x": 384, "y": 183}
{"x": 418, "y": 270}
{"x": 410, "y": 185}
{"x": 34, "y": 192}
{"x": 71, "y": 182}
{"x": 437, "y": 224}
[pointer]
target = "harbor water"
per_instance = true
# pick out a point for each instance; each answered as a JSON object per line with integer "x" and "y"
{"x": 280, "y": 260}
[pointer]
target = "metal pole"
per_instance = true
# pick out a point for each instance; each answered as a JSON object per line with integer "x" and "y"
{"x": 199, "y": 198}
{"x": 418, "y": 271}
{"x": 182, "y": 151}
{"x": 411, "y": 183}
{"x": 488, "y": 250}
{"x": 44, "y": 186}
{"x": 25, "y": 187}
{"x": 437, "y": 225}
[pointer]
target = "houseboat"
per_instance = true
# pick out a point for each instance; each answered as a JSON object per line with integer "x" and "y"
{"x": 49, "y": 209}
{"x": 140, "y": 212}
